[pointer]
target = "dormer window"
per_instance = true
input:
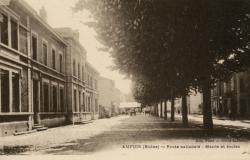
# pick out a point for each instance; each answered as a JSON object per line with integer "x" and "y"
{"x": 23, "y": 40}
{"x": 53, "y": 59}
{"x": 4, "y": 29}
{"x": 45, "y": 53}
{"x": 14, "y": 34}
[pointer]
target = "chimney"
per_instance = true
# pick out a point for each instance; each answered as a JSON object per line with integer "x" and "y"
{"x": 43, "y": 14}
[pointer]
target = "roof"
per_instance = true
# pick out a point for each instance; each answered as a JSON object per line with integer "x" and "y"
{"x": 29, "y": 9}
{"x": 129, "y": 105}
{"x": 67, "y": 32}
{"x": 88, "y": 65}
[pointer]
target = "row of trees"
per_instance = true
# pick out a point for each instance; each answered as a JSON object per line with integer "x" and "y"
{"x": 169, "y": 47}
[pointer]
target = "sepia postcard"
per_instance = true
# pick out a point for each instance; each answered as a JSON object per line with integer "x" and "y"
{"x": 124, "y": 79}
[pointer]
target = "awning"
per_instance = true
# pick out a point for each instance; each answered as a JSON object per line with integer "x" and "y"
{"x": 129, "y": 105}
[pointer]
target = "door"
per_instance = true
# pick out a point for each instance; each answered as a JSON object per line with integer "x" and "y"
{"x": 35, "y": 101}
{"x": 243, "y": 108}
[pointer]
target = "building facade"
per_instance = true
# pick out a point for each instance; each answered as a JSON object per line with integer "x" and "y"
{"x": 232, "y": 98}
{"x": 37, "y": 77}
{"x": 92, "y": 90}
{"x": 75, "y": 76}
{"x": 109, "y": 98}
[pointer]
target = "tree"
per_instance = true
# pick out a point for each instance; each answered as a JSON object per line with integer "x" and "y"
{"x": 203, "y": 41}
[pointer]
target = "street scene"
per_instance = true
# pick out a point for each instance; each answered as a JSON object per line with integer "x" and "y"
{"x": 125, "y": 134}
{"x": 141, "y": 78}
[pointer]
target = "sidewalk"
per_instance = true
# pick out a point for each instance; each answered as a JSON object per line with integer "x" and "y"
{"x": 217, "y": 121}
{"x": 59, "y": 135}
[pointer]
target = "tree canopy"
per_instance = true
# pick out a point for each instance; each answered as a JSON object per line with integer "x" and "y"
{"x": 181, "y": 44}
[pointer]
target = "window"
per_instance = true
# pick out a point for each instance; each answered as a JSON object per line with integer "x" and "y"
{"x": 54, "y": 100}
{"x": 45, "y": 53}
{"x": 4, "y": 79}
{"x": 89, "y": 104}
{"x": 79, "y": 96}
{"x": 75, "y": 101}
{"x": 15, "y": 92}
{"x": 23, "y": 34}
{"x": 4, "y": 29}
{"x": 242, "y": 85}
{"x": 61, "y": 108}
{"x": 96, "y": 105}
{"x": 83, "y": 73}
{"x": 53, "y": 59}
{"x": 74, "y": 68}
{"x": 79, "y": 71}
{"x": 91, "y": 82}
{"x": 60, "y": 63}
{"x": 46, "y": 97}
{"x": 83, "y": 103}
{"x": 232, "y": 83}
{"x": 225, "y": 87}
{"x": 34, "y": 46}
{"x": 229, "y": 86}
{"x": 96, "y": 84}
{"x": 14, "y": 35}
{"x": 221, "y": 91}
{"x": 88, "y": 80}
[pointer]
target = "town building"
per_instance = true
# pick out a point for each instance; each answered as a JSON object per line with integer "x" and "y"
{"x": 42, "y": 73}
{"x": 109, "y": 97}
{"x": 232, "y": 98}
{"x": 195, "y": 103}
{"x": 32, "y": 70}
{"x": 75, "y": 76}
{"x": 92, "y": 91}
{"x": 229, "y": 98}
{"x": 130, "y": 108}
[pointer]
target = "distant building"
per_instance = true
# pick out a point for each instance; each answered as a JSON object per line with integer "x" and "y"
{"x": 109, "y": 97}
{"x": 232, "y": 98}
{"x": 127, "y": 107}
{"x": 81, "y": 79}
{"x": 129, "y": 97}
{"x": 195, "y": 103}
{"x": 228, "y": 98}
{"x": 92, "y": 90}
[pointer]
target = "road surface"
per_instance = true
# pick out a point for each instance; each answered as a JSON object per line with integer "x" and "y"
{"x": 129, "y": 136}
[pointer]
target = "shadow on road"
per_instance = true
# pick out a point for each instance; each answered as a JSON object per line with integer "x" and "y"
{"x": 138, "y": 129}
{"x": 144, "y": 129}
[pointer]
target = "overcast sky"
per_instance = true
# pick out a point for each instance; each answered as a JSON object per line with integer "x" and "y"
{"x": 61, "y": 15}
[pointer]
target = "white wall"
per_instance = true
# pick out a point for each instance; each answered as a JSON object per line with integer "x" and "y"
{"x": 195, "y": 101}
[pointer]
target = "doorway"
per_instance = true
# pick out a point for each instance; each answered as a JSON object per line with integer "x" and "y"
{"x": 35, "y": 101}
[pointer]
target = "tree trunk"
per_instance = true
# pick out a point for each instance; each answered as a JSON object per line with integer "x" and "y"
{"x": 161, "y": 110}
{"x": 207, "y": 110}
{"x": 156, "y": 109}
{"x": 165, "y": 110}
{"x": 184, "y": 110}
{"x": 172, "y": 109}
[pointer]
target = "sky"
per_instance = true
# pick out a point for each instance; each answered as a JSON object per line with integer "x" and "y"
{"x": 60, "y": 15}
